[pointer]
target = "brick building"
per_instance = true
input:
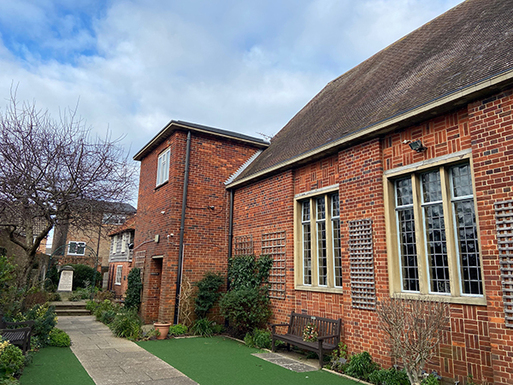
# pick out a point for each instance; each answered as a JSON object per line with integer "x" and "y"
{"x": 182, "y": 221}
{"x": 394, "y": 181}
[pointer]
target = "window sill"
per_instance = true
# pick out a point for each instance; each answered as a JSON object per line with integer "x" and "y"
{"x": 467, "y": 300}
{"x": 320, "y": 289}
{"x": 160, "y": 185}
{"x": 117, "y": 284}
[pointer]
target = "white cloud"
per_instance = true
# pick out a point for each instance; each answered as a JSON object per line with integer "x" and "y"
{"x": 243, "y": 66}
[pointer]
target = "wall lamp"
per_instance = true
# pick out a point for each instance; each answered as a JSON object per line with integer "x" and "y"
{"x": 416, "y": 145}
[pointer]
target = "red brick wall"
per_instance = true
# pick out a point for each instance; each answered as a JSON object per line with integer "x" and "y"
{"x": 212, "y": 161}
{"x": 477, "y": 342}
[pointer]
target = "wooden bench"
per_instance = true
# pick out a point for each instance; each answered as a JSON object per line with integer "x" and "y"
{"x": 328, "y": 334}
{"x": 19, "y": 336}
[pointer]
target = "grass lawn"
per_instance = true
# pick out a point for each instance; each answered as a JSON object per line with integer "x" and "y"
{"x": 222, "y": 361}
{"x": 55, "y": 366}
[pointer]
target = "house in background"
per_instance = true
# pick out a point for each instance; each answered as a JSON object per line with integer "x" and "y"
{"x": 182, "y": 228}
{"x": 396, "y": 180}
{"x": 120, "y": 256}
{"x": 84, "y": 242}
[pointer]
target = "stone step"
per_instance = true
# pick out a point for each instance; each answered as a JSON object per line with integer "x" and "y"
{"x": 72, "y": 312}
{"x": 69, "y": 308}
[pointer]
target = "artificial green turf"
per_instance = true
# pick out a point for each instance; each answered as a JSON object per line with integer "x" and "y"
{"x": 222, "y": 361}
{"x": 55, "y": 366}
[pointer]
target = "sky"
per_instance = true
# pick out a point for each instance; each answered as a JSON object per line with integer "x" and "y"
{"x": 131, "y": 66}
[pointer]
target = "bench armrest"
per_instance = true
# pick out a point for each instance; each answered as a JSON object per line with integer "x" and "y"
{"x": 326, "y": 337}
{"x": 273, "y": 326}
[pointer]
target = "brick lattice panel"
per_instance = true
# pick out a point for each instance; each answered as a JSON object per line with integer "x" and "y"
{"x": 361, "y": 261}
{"x": 504, "y": 223}
{"x": 273, "y": 244}
{"x": 243, "y": 245}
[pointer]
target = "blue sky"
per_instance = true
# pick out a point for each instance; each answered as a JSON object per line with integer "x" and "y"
{"x": 245, "y": 66}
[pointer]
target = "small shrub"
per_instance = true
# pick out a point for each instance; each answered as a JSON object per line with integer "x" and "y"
{"x": 11, "y": 359}
{"x": 80, "y": 294}
{"x": 133, "y": 292}
{"x": 150, "y": 335}
{"x": 432, "y": 379}
{"x": 203, "y": 327}
{"x": 9, "y": 381}
{"x": 259, "y": 338}
{"x": 246, "y": 308}
{"x": 127, "y": 324}
{"x": 44, "y": 318}
{"x": 83, "y": 276}
{"x": 107, "y": 316}
{"x": 54, "y": 297}
{"x": 100, "y": 296}
{"x": 35, "y": 297}
{"x": 390, "y": 376}
{"x": 104, "y": 306}
{"x": 59, "y": 338}
{"x": 361, "y": 366}
{"x": 339, "y": 358}
{"x": 92, "y": 305}
{"x": 208, "y": 293}
{"x": 178, "y": 330}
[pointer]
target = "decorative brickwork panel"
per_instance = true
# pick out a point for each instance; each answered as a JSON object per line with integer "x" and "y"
{"x": 504, "y": 223}
{"x": 361, "y": 261}
{"x": 243, "y": 245}
{"x": 273, "y": 244}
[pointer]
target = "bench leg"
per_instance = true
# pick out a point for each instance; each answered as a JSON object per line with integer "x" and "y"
{"x": 273, "y": 346}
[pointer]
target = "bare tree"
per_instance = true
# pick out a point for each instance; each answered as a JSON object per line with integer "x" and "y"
{"x": 52, "y": 172}
{"x": 414, "y": 329}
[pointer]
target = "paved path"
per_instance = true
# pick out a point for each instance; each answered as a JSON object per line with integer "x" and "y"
{"x": 110, "y": 360}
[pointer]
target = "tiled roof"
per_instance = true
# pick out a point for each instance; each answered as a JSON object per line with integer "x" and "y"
{"x": 456, "y": 53}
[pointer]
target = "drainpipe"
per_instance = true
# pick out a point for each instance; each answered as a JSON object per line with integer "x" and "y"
{"x": 182, "y": 228}
{"x": 230, "y": 236}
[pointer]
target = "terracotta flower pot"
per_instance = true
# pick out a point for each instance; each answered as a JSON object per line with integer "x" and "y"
{"x": 163, "y": 328}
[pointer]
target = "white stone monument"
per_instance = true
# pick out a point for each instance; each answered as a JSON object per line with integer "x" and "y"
{"x": 66, "y": 279}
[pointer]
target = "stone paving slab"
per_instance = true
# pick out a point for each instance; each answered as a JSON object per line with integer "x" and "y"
{"x": 286, "y": 363}
{"x": 111, "y": 361}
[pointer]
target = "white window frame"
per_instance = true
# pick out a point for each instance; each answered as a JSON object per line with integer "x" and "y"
{"x": 444, "y": 164}
{"x": 163, "y": 167}
{"x": 77, "y": 245}
{"x": 119, "y": 274}
{"x": 315, "y": 284}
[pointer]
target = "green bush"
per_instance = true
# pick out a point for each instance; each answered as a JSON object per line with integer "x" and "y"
{"x": 127, "y": 324}
{"x": 104, "y": 306}
{"x": 390, "y": 376}
{"x": 80, "y": 294}
{"x": 107, "y": 316}
{"x": 247, "y": 304}
{"x": 204, "y": 327}
{"x": 432, "y": 379}
{"x": 133, "y": 292}
{"x": 54, "y": 297}
{"x": 59, "y": 338}
{"x": 52, "y": 279}
{"x": 9, "y": 381}
{"x": 100, "y": 295}
{"x": 44, "y": 318}
{"x": 246, "y": 308}
{"x": 259, "y": 338}
{"x": 208, "y": 293}
{"x": 178, "y": 330}
{"x": 92, "y": 305}
{"x": 11, "y": 359}
{"x": 83, "y": 276}
{"x": 361, "y": 366}
{"x": 339, "y": 358}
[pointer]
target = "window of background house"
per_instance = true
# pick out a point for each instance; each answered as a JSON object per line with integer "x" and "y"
{"x": 76, "y": 248}
{"x": 437, "y": 239}
{"x": 119, "y": 273}
{"x": 163, "y": 167}
{"x": 320, "y": 253}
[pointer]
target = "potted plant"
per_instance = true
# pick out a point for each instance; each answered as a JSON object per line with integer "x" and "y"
{"x": 162, "y": 328}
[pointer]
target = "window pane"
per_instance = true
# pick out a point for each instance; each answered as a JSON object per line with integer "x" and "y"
{"x": 406, "y": 229}
{"x": 435, "y": 233}
{"x": 307, "y": 242}
{"x": 468, "y": 247}
{"x": 321, "y": 242}
{"x": 335, "y": 227}
{"x": 461, "y": 181}
{"x": 466, "y": 231}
